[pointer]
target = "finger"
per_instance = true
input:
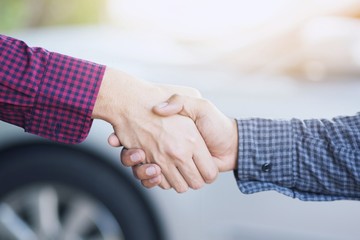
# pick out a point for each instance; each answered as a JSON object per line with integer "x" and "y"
{"x": 114, "y": 141}
{"x": 175, "y": 179}
{"x": 146, "y": 171}
{"x": 132, "y": 157}
{"x": 191, "y": 174}
{"x": 205, "y": 163}
{"x": 164, "y": 184}
{"x": 150, "y": 183}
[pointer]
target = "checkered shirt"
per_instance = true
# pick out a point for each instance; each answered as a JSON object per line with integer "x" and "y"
{"x": 46, "y": 93}
{"x": 312, "y": 160}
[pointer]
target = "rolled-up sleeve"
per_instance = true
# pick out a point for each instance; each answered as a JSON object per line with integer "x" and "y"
{"x": 46, "y": 93}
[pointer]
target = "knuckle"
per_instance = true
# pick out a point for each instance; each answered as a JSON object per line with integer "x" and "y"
{"x": 181, "y": 161}
{"x": 183, "y": 151}
{"x": 192, "y": 139}
{"x": 210, "y": 176}
{"x": 176, "y": 153}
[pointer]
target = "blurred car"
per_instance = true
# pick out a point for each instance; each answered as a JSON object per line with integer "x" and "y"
{"x": 55, "y": 191}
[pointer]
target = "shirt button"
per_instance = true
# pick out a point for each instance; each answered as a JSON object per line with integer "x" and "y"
{"x": 266, "y": 167}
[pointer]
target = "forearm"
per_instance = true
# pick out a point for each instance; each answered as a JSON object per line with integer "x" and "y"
{"x": 310, "y": 160}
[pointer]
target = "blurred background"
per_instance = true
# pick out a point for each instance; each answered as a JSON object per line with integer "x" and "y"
{"x": 313, "y": 40}
{"x": 260, "y": 58}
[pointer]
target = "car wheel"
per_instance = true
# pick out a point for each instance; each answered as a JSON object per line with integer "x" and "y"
{"x": 57, "y": 192}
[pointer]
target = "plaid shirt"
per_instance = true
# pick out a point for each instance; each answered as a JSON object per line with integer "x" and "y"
{"x": 47, "y": 93}
{"x": 315, "y": 160}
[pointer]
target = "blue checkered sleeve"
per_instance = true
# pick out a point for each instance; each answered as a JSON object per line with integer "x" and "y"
{"x": 312, "y": 160}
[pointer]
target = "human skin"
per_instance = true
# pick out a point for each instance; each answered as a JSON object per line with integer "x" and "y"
{"x": 173, "y": 143}
{"x": 218, "y": 131}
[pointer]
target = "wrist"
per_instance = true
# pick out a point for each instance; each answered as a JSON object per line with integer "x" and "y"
{"x": 122, "y": 97}
{"x": 113, "y": 97}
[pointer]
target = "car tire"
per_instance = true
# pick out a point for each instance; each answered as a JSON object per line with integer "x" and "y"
{"x": 85, "y": 173}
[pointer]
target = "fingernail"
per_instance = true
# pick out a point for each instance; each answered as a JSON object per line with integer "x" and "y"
{"x": 135, "y": 157}
{"x": 150, "y": 171}
{"x": 162, "y": 105}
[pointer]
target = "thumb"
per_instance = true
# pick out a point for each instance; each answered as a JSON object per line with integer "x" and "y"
{"x": 176, "y": 104}
{"x": 114, "y": 141}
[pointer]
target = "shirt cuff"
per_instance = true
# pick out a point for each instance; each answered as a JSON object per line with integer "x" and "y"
{"x": 265, "y": 159}
{"x": 65, "y": 99}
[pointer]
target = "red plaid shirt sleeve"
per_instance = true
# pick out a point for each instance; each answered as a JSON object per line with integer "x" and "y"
{"x": 46, "y": 93}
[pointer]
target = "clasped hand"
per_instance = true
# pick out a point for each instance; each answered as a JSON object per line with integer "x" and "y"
{"x": 182, "y": 142}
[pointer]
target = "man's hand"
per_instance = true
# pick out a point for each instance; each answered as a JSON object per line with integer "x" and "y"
{"x": 173, "y": 143}
{"x": 218, "y": 131}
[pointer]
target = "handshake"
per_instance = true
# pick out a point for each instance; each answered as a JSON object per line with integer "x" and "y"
{"x": 171, "y": 136}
